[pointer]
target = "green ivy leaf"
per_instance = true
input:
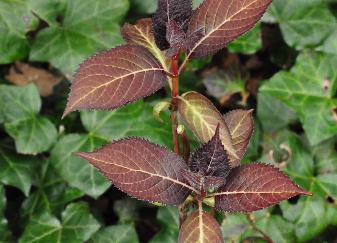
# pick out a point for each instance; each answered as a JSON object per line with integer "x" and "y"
{"x": 32, "y": 134}
{"x": 117, "y": 233}
{"x": 17, "y": 170}
{"x": 135, "y": 119}
{"x": 249, "y": 43}
{"x": 48, "y": 10}
{"x": 51, "y": 196}
{"x": 5, "y": 234}
{"x": 127, "y": 210}
{"x": 310, "y": 215}
{"x": 326, "y": 157}
{"x": 86, "y": 27}
{"x": 15, "y": 21}
{"x": 330, "y": 44}
{"x": 21, "y": 102}
{"x": 168, "y": 218}
{"x": 77, "y": 226}
{"x": 304, "y": 23}
{"x": 77, "y": 172}
{"x": 308, "y": 88}
{"x": 273, "y": 114}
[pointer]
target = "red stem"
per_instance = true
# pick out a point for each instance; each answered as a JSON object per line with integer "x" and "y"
{"x": 175, "y": 94}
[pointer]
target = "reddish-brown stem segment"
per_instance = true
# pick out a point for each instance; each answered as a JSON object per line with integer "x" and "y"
{"x": 175, "y": 93}
{"x": 186, "y": 146}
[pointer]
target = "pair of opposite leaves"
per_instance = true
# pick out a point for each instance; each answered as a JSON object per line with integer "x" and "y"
{"x": 146, "y": 171}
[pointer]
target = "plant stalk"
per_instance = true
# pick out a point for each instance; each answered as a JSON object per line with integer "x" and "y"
{"x": 175, "y": 94}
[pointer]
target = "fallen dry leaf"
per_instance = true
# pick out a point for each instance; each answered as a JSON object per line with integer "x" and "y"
{"x": 22, "y": 74}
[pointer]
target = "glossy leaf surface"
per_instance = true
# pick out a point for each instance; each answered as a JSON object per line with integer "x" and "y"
{"x": 253, "y": 187}
{"x": 202, "y": 118}
{"x": 114, "y": 78}
{"x": 240, "y": 124}
{"x": 143, "y": 170}
{"x": 200, "y": 227}
{"x": 223, "y": 21}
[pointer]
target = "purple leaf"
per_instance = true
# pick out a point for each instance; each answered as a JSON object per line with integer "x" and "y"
{"x": 179, "y": 11}
{"x": 142, "y": 170}
{"x": 114, "y": 78}
{"x": 211, "y": 159}
{"x": 253, "y": 187}
{"x": 200, "y": 227}
{"x": 222, "y": 22}
{"x": 241, "y": 125}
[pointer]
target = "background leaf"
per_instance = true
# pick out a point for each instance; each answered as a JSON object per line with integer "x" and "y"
{"x": 77, "y": 225}
{"x": 88, "y": 26}
{"x": 309, "y": 89}
{"x": 15, "y": 21}
{"x": 117, "y": 233}
{"x": 32, "y": 134}
{"x": 17, "y": 170}
{"x": 300, "y": 19}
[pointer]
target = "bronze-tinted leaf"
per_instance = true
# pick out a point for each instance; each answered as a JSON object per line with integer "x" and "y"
{"x": 202, "y": 117}
{"x": 241, "y": 126}
{"x": 223, "y": 21}
{"x": 253, "y": 187}
{"x": 141, "y": 33}
{"x": 201, "y": 182}
{"x": 178, "y": 10}
{"x": 116, "y": 77}
{"x": 175, "y": 36}
{"x": 142, "y": 170}
{"x": 211, "y": 158}
{"x": 200, "y": 227}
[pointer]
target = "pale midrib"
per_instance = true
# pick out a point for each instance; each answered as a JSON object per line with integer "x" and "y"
{"x": 217, "y": 28}
{"x": 251, "y": 192}
{"x": 111, "y": 81}
{"x": 201, "y": 226}
{"x": 143, "y": 171}
{"x": 154, "y": 48}
{"x": 198, "y": 114}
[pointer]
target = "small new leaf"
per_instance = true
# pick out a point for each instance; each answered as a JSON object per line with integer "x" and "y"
{"x": 141, "y": 33}
{"x": 222, "y": 22}
{"x": 114, "y": 78}
{"x": 201, "y": 182}
{"x": 211, "y": 159}
{"x": 202, "y": 117}
{"x": 142, "y": 170}
{"x": 253, "y": 187}
{"x": 175, "y": 36}
{"x": 200, "y": 227}
{"x": 170, "y": 10}
{"x": 241, "y": 125}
